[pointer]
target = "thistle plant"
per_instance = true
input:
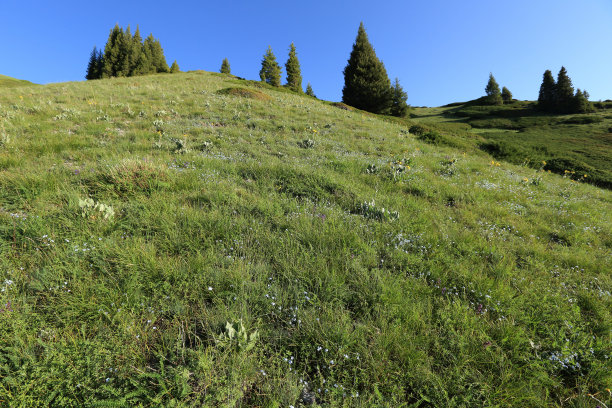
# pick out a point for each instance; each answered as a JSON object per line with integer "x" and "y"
{"x": 92, "y": 209}
{"x": 369, "y": 210}
{"x": 237, "y": 338}
{"x": 307, "y": 144}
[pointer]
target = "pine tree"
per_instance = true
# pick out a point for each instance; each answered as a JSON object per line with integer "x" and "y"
{"x": 174, "y": 68}
{"x": 294, "y": 73}
{"x": 92, "y": 65}
{"x": 546, "y": 98}
{"x": 564, "y": 95}
{"x": 225, "y": 67}
{"x": 493, "y": 93}
{"x": 309, "y": 91}
{"x": 399, "y": 107}
{"x": 270, "y": 70}
{"x": 366, "y": 84}
{"x": 506, "y": 95}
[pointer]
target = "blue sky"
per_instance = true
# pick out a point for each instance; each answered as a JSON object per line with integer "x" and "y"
{"x": 442, "y": 51}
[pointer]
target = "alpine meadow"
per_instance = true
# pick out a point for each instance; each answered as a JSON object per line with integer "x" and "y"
{"x": 197, "y": 239}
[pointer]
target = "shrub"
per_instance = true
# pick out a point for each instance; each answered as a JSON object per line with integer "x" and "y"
{"x": 245, "y": 93}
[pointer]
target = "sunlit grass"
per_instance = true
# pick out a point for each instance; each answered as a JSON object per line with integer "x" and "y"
{"x": 473, "y": 287}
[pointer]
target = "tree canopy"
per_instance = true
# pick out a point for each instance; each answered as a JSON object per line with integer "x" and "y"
{"x": 366, "y": 84}
{"x": 559, "y": 96}
{"x": 270, "y": 70}
{"x": 494, "y": 96}
{"x": 225, "y": 67}
{"x": 294, "y": 73}
{"x": 127, "y": 55}
{"x": 399, "y": 107}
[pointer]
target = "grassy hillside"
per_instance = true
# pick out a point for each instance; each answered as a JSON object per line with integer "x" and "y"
{"x": 571, "y": 145}
{"x": 6, "y": 82}
{"x": 197, "y": 240}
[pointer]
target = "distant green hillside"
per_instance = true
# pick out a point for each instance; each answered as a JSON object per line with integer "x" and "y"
{"x": 199, "y": 240}
{"x": 6, "y": 81}
{"x": 570, "y": 145}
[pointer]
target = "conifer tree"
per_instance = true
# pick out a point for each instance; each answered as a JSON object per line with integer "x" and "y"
{"x": 546, "y": 98}
{"x": 112, "y": 53}
{"x": 294, "y": 73}
{"x": 494, "y": 96}
{"x": 366, "y": 84}
{"x": 309, "y": 91}
{"x": 399, "y": 107}
{"x": 137, "y": 61}
{"x": 174, "y": 68}
{"x": 125, "y": 53}
{"x": 581, "y": 103}
{"x": 155, "y": 53}
{"x": 99, "y": 65}
{"x": 92, "y": 66}
{"x": 564, "y": 92}
{"x": 506, "y": 95}
{"x": 270, "y": 70}
{"x": 225, "y": 67}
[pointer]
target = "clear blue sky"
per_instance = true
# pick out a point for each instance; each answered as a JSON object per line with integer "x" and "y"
{"x": 442, "y": 51}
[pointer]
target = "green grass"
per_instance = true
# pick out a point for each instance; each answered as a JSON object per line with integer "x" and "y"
{"x": 517, "y": 133}
{"x": 6, "y": 82}
{"x": 477, "y": 285}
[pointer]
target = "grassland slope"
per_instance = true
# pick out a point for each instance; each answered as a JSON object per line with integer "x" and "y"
{"x": 570, "y": 145}
{"x": 167, "y": 242}
{"x": 6, "y": 82}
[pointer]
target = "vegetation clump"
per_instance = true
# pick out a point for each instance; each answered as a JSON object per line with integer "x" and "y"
{"x": 245, "y": 93}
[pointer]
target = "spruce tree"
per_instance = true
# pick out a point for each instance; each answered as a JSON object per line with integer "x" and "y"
{"x": 564, "y": 95}
{"x": 270, "y": 70}
{"x": 225, "y": 67}
{"x": 92, "y": 66}
{"x": 580, "y": 102}
{"x": 99, "y": 65}
{"x": 494, "y": 96}
{"x": 399, "y": 107}
{"x": 112, "y": 57}
{"x": 294, "y": 73}
{"x": 174, "y": 68}
{"x": 309, "y": 91}
{"x": 546, "y": 98}
{"x": 366, "y": 84}
{"x": 506, "y": 95}
{"x": 155, "y": 54}
{"x": 137, "y": 61}
{"x": 125, "y": 53}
